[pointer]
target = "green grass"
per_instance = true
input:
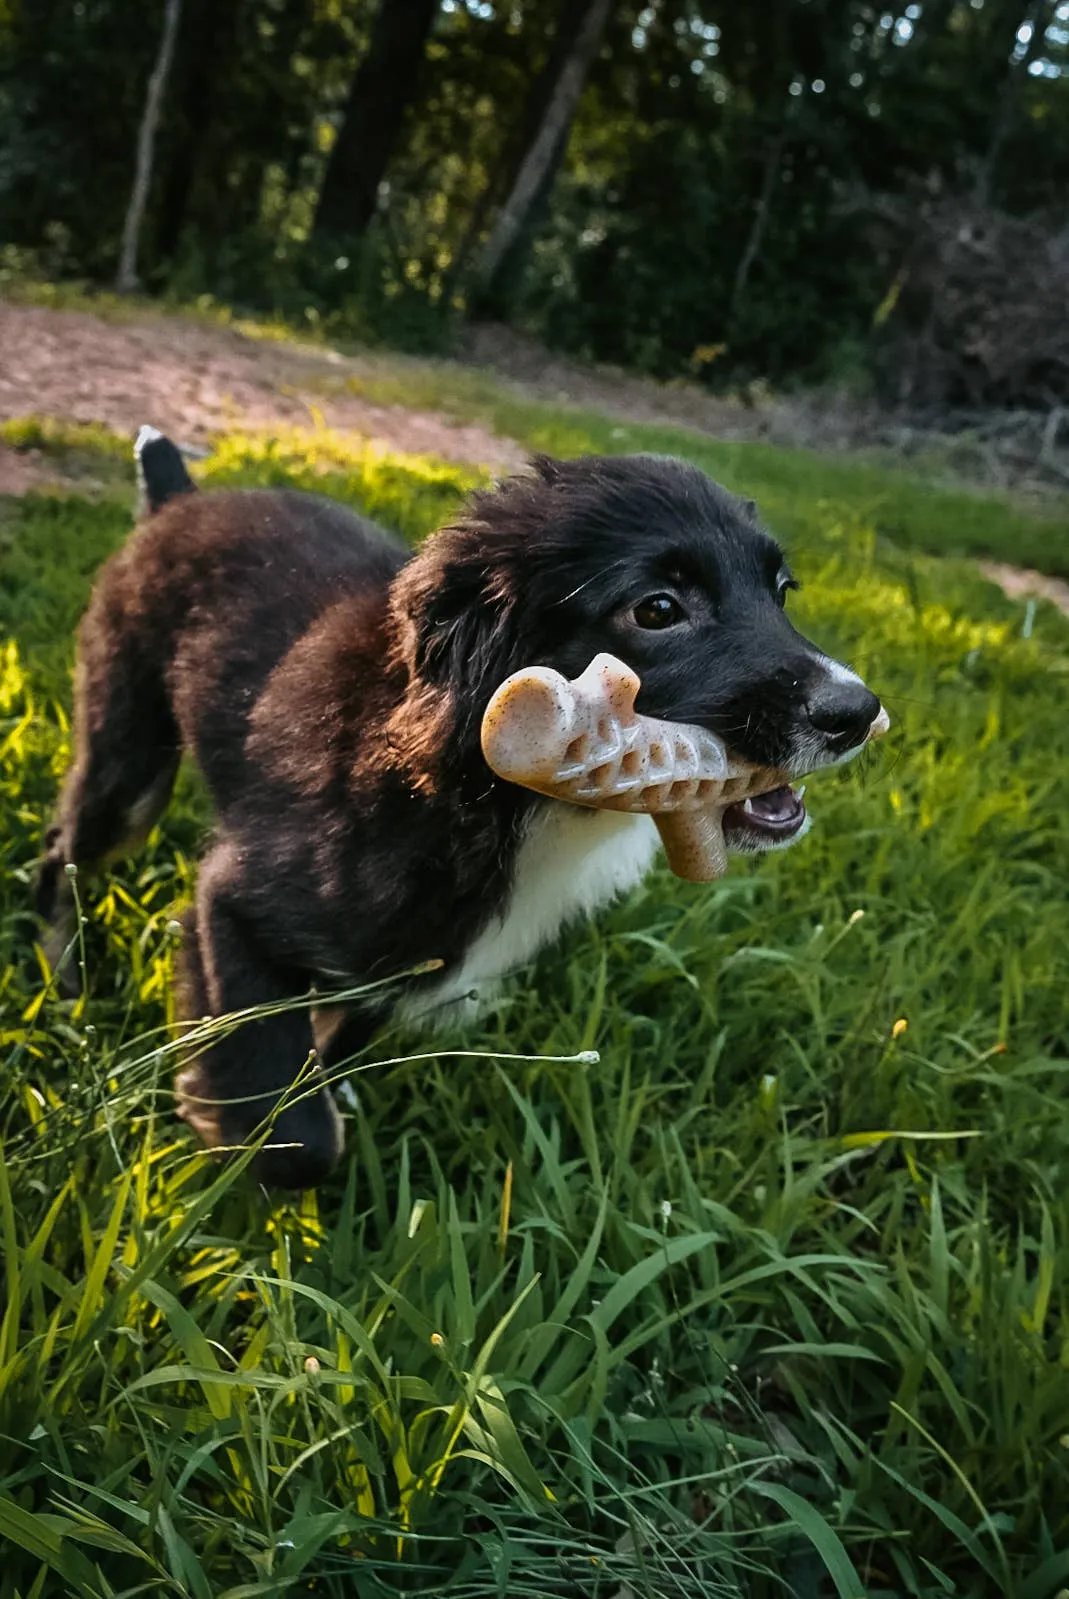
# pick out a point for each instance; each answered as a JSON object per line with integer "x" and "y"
{"x": 770, "y": 1298}
{"x": 89, "y": 443}
{"x": 800, "y": 492}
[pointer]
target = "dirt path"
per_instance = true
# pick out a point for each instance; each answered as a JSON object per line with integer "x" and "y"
{"x": 1020, "y": 582}
{"x": 192, "y": 379}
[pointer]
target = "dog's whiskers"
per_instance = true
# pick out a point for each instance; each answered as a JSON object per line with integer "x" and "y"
{"x": 613, "y": 566}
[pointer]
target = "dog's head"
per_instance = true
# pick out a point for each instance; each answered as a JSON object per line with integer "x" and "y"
{"x": 647, "y": 559}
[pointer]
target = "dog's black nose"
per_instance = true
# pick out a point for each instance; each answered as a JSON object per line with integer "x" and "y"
{"x": 843, "y": 711}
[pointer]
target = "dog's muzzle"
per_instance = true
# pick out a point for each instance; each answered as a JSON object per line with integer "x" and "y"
{"x": 582, "y": 741}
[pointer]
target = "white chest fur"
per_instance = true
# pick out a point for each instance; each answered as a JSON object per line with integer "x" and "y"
{"x": 571, "y": 862}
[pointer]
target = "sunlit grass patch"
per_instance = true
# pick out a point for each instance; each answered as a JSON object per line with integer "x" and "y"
{"x": 412, "y": 494}
{"x": 50, "y": 436}
{"x": 769, "y": 1297}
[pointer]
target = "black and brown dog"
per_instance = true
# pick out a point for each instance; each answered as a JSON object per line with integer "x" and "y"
{"x": 330, "y": 686}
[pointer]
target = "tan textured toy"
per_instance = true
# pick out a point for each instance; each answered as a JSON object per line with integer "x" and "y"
{"x": 583, "y": 741}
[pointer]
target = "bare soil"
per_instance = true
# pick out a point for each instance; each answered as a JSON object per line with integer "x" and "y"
{"x": 833, "y": 423}
{"x": 23, "y": 470}
{"x": 192, "y": 379}
{"x": 1020, "y": 581}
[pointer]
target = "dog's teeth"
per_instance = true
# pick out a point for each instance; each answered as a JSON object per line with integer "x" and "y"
{"x": 800, "y": 790}
{"x": 747, "y": 806}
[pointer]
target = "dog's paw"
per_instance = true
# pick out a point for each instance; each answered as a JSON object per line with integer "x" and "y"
{"x": 304, "y": 1140}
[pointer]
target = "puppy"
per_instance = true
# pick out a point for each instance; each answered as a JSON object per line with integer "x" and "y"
{"x": 330, "y": 687}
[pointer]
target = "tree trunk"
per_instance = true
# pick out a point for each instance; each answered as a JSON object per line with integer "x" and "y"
{"x": 1039, "y": 15}
{"x": 548, "y": 144}
{"x": 379, "y": 96}
{"x": 126, "y": 279}
{"x": 490, "y": 299}
{"x": 761, "y": 214}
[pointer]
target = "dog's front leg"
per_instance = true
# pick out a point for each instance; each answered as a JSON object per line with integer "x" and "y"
{"x": 234, "y": 1084}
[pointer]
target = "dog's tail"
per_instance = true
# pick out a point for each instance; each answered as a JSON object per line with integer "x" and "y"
{"x": 161, "y": 471}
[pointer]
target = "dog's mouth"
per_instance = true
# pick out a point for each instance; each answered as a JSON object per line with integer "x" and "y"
{"x": 764, "y": 820}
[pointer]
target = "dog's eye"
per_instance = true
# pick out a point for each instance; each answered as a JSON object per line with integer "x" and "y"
{"x": 784, "y": 583}
{"x": 658, "y": 610}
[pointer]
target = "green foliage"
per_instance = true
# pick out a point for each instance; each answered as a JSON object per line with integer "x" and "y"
{"x": 768, "y": 1297}
{"x": 728, "y": 179}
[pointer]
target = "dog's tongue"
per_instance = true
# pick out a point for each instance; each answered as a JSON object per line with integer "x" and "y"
{"x": 778, "y": 805}
{"x": 777, "y": 814}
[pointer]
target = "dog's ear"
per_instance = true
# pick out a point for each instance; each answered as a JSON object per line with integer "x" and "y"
{"x": 454, "y": 610}
{"x": 454, "y": 633}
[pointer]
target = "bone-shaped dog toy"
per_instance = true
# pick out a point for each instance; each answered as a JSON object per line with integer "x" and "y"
{"x": 582, "y": 740}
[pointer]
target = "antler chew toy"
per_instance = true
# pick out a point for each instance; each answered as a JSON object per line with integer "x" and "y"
{"x": 583, "y": 741}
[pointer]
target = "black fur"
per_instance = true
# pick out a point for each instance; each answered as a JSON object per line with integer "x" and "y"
{"x": 161, "y": 471}
{"x": 331, "y": 690}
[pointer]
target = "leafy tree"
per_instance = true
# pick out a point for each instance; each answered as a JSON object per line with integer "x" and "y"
{"x": 737, "y": 189}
